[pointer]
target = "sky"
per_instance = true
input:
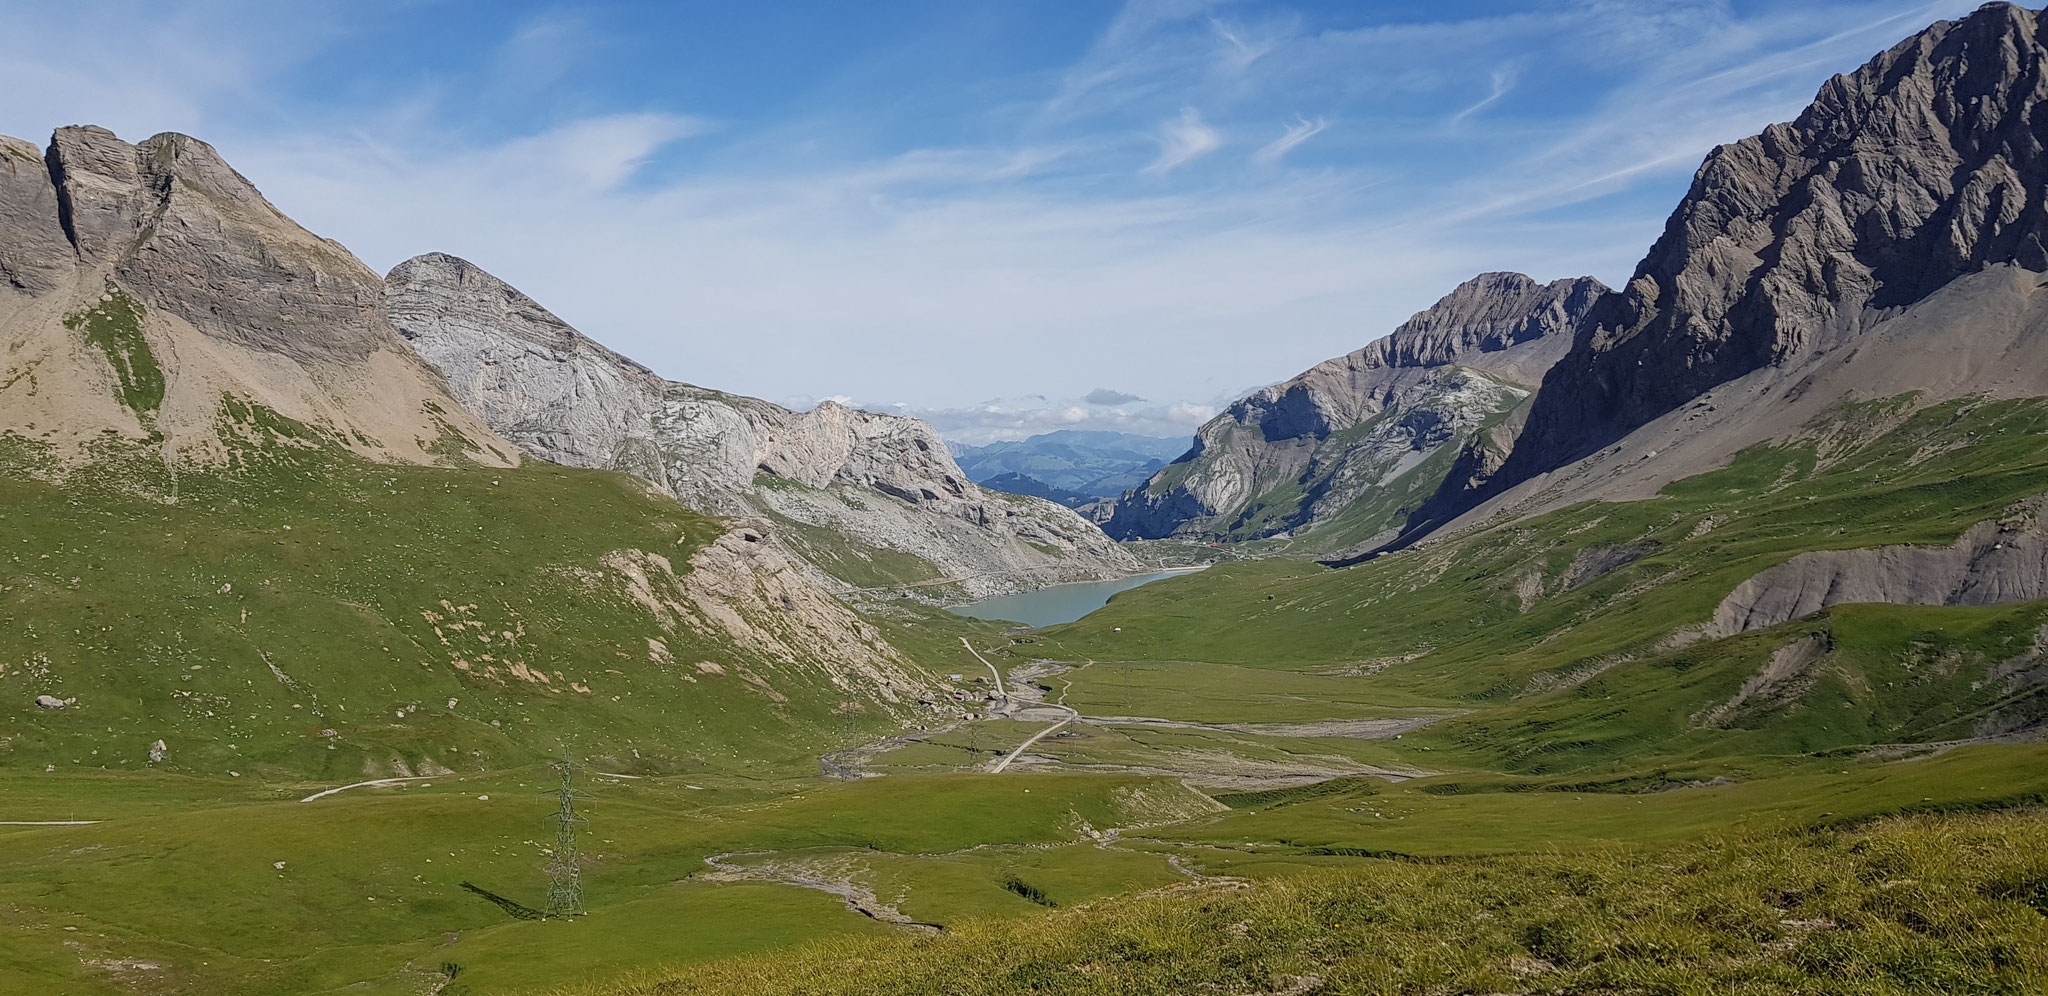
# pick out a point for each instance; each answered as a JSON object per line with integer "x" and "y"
{"x": 1006, "y": 217}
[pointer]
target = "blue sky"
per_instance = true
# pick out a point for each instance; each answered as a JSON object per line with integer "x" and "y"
{"x": 955, "y": 206}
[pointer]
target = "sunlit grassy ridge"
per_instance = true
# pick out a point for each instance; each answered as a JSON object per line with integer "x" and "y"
{"x": 1920, "y": 905}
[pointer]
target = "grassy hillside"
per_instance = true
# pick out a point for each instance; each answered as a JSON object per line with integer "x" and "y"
{"x": 301, "y": 613}
{"x": 1563, "y": 635}
{"x": 1573, "y": 823}
{"x": 224, "y": 887}
{"x": 1886, "y": 908}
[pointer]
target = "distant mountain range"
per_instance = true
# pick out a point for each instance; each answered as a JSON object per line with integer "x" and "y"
{"x": 1089, "y": 463}
{"x": 1023, "y": 484}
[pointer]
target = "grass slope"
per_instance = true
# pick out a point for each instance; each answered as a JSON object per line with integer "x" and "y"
{"x": 1917, "y": 905}
{"x": 1557, "y": 632}
{"x": 239, "y": 889}
{"x": 1585, "y": 829}
{"x": 303, "y": 614}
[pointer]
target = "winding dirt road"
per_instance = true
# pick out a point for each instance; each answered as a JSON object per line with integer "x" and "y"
{"x": 374, "y": 781}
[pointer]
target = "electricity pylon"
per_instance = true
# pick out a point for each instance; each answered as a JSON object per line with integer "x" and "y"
{"x": 565, "y": 872}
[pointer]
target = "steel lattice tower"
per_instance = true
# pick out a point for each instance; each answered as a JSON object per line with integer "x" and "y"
{"x": 565, "y": 873}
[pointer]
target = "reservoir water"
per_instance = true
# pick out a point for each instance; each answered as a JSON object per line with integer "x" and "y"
{"x": 1060, "y": 603}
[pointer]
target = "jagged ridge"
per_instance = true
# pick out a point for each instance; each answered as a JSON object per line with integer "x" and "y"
{"x": 1920, "y": 167}
{"x": 564, "y": 398}
{"x": 1359, "y": 428}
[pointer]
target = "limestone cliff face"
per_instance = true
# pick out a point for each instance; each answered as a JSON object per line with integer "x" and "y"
{"x": 1345, "y": 450}
{"x": 147, "y": 289}
{"x": 1924, "y": 165}
{"x": 542, "y": 385}
{"x": 884, "y": 482}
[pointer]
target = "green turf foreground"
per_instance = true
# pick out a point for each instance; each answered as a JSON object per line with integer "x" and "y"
{"x": 1920, "y": 904}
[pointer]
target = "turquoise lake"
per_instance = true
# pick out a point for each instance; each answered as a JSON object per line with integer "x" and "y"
{"x": 1060, "y": 603}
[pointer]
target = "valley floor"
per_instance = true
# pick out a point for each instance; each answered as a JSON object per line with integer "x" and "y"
{"x": 1520, "y": 761}
{"x": 1089, "y": 866}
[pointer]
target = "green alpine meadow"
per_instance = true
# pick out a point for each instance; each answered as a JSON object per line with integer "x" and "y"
{"x": 1682, "y": 630}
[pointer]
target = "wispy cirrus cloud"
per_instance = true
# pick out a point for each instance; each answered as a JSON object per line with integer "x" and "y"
{"x": 1503, "y": 82}
{"x": 1239, "y": 52}
{"x": 543, "y": 49}
{"x": 1183, "y": 141}
{"x": 603, "y": 152}
{"x": 1300, "y": 131}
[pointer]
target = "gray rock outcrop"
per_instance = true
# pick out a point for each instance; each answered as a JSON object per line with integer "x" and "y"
{"x": 34, "y": 253}
{"x": 1349, "y": 439}
{"x": 884, "y": 481}
{"x": 543, "y": 385}
{"x": 1924, "y": 165}
{"x": 1993, "y": 563}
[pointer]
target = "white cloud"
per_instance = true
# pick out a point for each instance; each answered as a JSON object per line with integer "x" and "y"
{"x": 600, "y": 152}
{"x": 1239, "y": 53}
{"x": 1300, "y": 131}
{"x": 1108, "y": 397}
{"x": 987, "y": 423}
{"x": 1183, "y": 141}
{"x": 1503, "y": 81}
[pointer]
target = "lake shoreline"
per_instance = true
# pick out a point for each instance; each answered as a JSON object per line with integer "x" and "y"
{"x": 1056, "y": 604}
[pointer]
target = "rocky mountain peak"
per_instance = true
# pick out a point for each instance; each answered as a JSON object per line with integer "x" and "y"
{"x": 213, "y": 292}
{"x": 529, "y": 374}
{"x": 1489, "y": 313}
{"x": 170, "y": 218}
{"x": 1350, "y": 437}
{"x": 1505, "y": 325}
{"x": 456, "y": 291}
{"x": 1924, "y": 165}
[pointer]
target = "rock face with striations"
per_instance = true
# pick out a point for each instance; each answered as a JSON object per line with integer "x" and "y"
{"x": 834, "y": 474}
{"x": 1341, "y": 453}
{"x": 1995, "y": 562}
{"x": 1924, "y": 165}
{"x": 149, "y": 291}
